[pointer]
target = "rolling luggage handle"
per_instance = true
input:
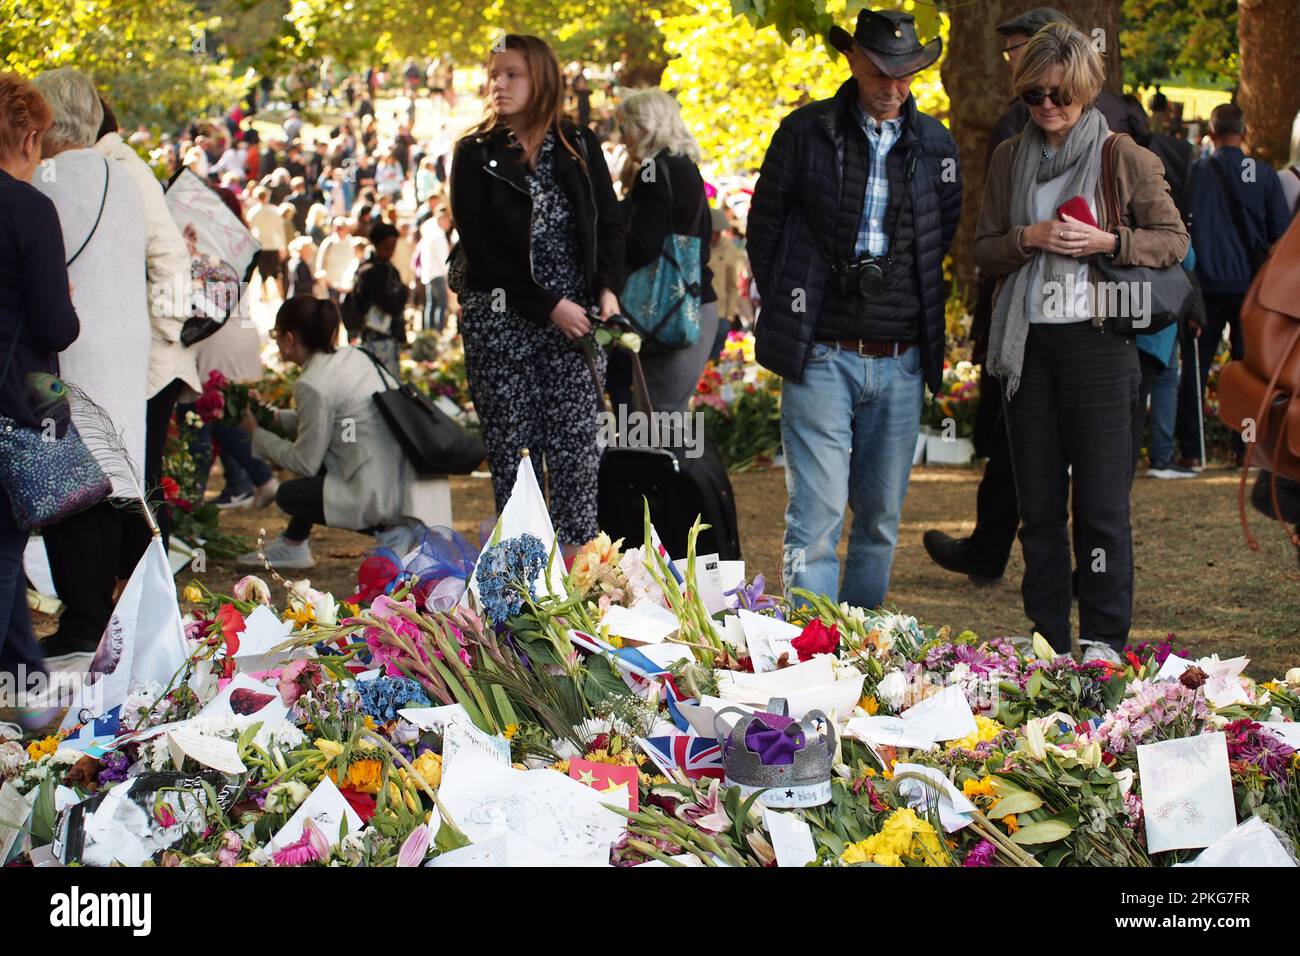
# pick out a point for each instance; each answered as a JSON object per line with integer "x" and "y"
{"x": 640, "y": 391}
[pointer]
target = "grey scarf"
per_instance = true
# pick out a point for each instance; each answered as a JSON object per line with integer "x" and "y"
{"x": 1080, "y": 158}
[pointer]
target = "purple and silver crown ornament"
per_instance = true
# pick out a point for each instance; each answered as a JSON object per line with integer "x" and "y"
{"x": 787, "y": 759}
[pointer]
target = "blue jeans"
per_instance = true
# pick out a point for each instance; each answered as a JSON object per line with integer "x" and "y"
{"x": 1164, "y": 410}
{"x": 435, "y": 304}
{"x": 244, "y": 471}
{"x": 849, "y": 431}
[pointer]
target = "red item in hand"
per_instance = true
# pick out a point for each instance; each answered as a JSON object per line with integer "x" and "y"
{"x": 1076, "y": 208}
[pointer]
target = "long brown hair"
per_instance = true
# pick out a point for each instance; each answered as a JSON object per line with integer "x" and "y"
{"x": 545, "y": 108}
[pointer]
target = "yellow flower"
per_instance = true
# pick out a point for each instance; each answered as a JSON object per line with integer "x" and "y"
{"x": 974, "y": 789}
{"x": 330, "y": 748}
{"x": 429, "y": 768}
{"x": 352, "y": 609}
{"x": 904, "y": 834}
{"x": 402, "y": 794}
{"x": 301, "y": 615}
{"x": 369, "y": 722}
{"x": 510, "y": 731}
{"x": 38, "y": 749}
{"x": 985, "y": 729}
{"x": 364, "y": 776}
{"x": 192, "y": 594}
{"x": 870, "y": 705}
{"x": 1009, "y": 821}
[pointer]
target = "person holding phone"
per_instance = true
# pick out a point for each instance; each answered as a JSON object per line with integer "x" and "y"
{"x": 1069, "y": 380}
{"x": 542, "y": 241}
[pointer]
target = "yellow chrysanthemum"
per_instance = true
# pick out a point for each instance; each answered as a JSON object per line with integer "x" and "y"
{"x": 510, "y": 731}
{"x": 364, "y": 776}
{"x": 986, "y": 728}
{"x": 904, "y": 835}
{"x": 869, "y": 704}
{"x": 39, "y": 748}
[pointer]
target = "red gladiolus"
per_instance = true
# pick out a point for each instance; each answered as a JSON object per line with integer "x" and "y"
{"x": 817, "y": 638}
{"x": 231, "y": 623}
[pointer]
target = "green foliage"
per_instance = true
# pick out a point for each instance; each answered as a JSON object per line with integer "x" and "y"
{"x": 154, "y": 60}
{"x": 1196, "y": 39}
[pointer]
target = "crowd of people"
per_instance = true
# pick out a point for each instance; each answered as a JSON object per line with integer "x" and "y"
{"x": 520, "y": 235}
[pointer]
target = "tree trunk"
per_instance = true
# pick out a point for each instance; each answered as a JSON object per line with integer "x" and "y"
{"x": 979, "y": 89}
{"x": 1269, "y": 94}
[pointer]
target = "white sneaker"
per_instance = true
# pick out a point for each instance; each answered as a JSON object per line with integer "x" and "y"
{"x": 235, "y": 501}
{"x": 1099, "y": 651}
{"x": 282, "y": 556}
{"x": 399, "y": 539}
{"x": 265, "y": 494}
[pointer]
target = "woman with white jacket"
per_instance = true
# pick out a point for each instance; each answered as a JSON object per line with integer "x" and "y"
{"x": 173, "y": 373}
{"x": 105, "y": 234}
{"x": 354, "y": 473}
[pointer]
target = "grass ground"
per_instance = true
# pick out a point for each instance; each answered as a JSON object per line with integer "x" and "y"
{"x": 1196, "y": 578}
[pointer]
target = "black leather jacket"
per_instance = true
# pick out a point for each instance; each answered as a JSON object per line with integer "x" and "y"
{"x": 493, "y": 213}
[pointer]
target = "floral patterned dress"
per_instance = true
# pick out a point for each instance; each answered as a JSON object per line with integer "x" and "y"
{"x": 530, "y": 385}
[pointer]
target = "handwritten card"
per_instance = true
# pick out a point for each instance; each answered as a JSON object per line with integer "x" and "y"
{"x": 791, "y": 838}
{"x": 768, "y": 640}
{"x": 459, "y": 735}
{"x": 1186, "y": 792}
{"x": 434, "y": 718}
{"x": 327, "y": 807}
{"x": 546, "y": 818}
{"x": 493, "y": 852}
{"x": 955, "y": 810}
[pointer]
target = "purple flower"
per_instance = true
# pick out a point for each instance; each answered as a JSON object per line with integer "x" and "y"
{"x": 750, "y": 597}
{"x": 981, "y": 854}
{"x": 112, "y": 768}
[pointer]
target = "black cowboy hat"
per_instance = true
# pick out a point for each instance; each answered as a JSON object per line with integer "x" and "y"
{"x": 888, "y": 38}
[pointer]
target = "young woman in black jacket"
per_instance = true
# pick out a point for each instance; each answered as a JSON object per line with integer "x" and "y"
{"x": 543, "y": 250}
{"x": 37, "y": 321}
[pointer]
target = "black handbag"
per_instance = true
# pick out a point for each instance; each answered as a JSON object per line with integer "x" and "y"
{"x": 434, "y": 443}
{"x": 1169, "y": 290}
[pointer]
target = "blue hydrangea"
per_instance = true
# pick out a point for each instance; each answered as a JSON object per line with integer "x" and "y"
{"x": 382, "y": 697}
{"x": 503, "y": 570}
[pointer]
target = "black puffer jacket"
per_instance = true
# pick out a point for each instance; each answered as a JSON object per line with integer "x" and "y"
{"x": 798, "y": 191}
{"x": 493, "y": 213}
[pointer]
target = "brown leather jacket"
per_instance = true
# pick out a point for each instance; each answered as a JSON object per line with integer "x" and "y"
{"x": 1151, "y": 232}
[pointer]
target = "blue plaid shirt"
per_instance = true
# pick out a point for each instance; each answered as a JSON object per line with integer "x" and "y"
{"x": 872, "y": 238}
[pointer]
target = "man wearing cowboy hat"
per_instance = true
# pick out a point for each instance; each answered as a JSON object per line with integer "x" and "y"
{"x": 855, "y": 207}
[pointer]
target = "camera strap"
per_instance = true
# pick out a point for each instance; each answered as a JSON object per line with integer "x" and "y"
{"x": 834, "y": 264}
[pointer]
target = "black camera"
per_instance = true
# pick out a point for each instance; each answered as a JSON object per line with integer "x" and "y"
{"x": 864, "y": 277}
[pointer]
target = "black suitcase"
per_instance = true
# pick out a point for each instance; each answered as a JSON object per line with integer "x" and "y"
{"x": 679, "y": 484}
{"x": 678, "y": 489}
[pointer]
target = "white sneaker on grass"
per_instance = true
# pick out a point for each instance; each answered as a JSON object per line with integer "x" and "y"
{"x": 1099, "y": 651}
{"x": 282, "y": 555}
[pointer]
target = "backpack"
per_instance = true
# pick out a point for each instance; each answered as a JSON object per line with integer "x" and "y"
{"x": 1259, "y": 395}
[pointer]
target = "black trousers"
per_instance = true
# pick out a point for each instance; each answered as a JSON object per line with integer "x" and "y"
{"x": 1073, "y": 417}
{"x": 18, "y": 645}
{"x": 1220, "y": 311}
{"x": 85, "y": 553}
{"x": 303, "y": 500}
{"x": 997, "y": 515}
{"x": 135, "y": 530}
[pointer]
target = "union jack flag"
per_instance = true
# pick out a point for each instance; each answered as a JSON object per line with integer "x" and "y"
{"x": 696, "y": 757}
{"x": 663, "y": 553}
{"x": 639, "y": 673}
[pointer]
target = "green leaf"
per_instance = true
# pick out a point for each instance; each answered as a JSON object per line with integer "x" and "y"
{"x": 1035, "y": 685}
{"x": 1021, "y": 802}
{"x": 43, "y": 814}
{"x": 448, "y": 839}
{"x": 1042, "y": 831}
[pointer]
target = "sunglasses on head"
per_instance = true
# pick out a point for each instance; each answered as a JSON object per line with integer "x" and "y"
{"x": 1036, "y": 97}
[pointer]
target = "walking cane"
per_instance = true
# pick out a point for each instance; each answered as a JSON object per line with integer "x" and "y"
{"x": 1200, "y": 398}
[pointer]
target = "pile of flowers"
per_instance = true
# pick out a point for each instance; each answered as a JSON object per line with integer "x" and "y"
{"x": 740, "y": 402}
{"x": 368, "y": 706}
{"x": 952, "y": 411}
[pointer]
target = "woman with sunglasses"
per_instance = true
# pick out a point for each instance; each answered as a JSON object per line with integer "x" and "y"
{"x": 1070, "y": 381}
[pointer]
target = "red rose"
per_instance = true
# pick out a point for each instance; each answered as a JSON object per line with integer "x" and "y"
{"x": 216, "y": 381}
{"x": 817, "y": 638}
{"x": 170, "y": 489}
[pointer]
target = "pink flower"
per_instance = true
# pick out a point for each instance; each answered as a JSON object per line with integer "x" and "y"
{"x": 298, "y": 853}
{"x": 228, "y": 854}
{"x": 416, "y": 845}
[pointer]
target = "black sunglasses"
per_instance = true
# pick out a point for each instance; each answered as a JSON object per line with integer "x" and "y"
{"x": 1036, "y": 97}
{"x": 1006, "y": 51}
